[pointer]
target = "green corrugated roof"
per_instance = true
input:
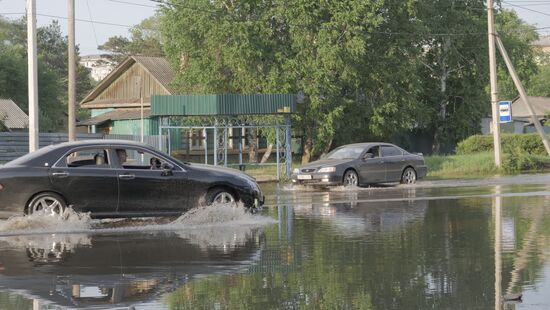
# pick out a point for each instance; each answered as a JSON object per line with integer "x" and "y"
{"x": 227, "y": 104}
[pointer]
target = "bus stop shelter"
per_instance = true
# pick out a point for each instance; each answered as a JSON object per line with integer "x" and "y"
{"x": 222, "y": 119}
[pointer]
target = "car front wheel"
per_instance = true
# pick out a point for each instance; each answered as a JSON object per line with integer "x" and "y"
{"x": 220, "y": 196}
{"x": 47, "y": 204}
{"x": 350, "y": 178}
{"x": 409, "y": 176}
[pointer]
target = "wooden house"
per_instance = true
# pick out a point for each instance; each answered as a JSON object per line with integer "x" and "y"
{"x": 12, "y": 118}
{"x": 119, "y": 101}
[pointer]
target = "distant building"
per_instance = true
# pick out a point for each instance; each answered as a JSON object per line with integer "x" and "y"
{"x": 521, "y": 118}
{"x": 12, "y": 118}
{"x": 543, "y": 43}
{"x": 100, "y": 65}
{"x": 115, "y": 102}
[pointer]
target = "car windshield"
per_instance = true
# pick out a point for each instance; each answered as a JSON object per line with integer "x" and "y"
{"x": 346, "y": 152}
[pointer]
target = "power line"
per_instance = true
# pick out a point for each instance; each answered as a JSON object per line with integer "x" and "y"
{"x": 91, "y": 18}
{"x": 527, "y": 9}
{"x": 135, "y": 4}
{"x": 76, "y": 19}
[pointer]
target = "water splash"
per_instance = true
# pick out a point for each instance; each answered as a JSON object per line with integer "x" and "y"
{"x": 220, "y": 214}
{"x": 216, "y": 215}
{"x": 225, "y": 226}
{"x": 69, "y": 221}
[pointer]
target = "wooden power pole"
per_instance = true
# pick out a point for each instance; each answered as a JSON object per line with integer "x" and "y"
{"x": 71, "y": 123}
{"x": 32, "y": 75}
{"x": 523, "y": 95}
{"x": 493, "y": 79}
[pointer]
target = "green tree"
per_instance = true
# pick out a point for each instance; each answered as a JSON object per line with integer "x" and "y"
{"x": 518, "y": 38}
{"x": 52, "y": 71}
{"x": 362, "y": 69}
{"x": 333, "y": 55}
{"x": 144, "y": 40}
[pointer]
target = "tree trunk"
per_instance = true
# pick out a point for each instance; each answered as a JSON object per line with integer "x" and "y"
{"x": 189, "y": 135}
{"x": 442, "y": 114}
{"x": 306, "y": 157}
{"x": 327, "y": 147}
{"x": 267, "y": 153}
{"x": 253, "y": 146}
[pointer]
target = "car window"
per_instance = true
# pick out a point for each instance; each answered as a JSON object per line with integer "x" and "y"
{"x": 132, "y": 158}
{"x": 87, "y": 157}
{"x": 388, "y": 150}
{"x": 347, "y": 152}
{"x": 375, "y": 151}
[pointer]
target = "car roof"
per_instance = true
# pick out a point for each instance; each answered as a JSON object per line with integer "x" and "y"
{"x": 53, "y": 152}
{"x": 102, "y": 142}
{"x": 367, "y": 144}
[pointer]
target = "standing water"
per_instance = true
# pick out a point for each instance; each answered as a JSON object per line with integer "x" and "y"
{"x": 437, "y": 245}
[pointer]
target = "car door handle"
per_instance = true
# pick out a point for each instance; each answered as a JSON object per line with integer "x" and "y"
{"x": 126, "y": 176}
{"x": 63, "y": 174}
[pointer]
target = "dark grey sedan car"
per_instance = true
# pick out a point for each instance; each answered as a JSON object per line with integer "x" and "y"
{"x": 363, "y": 164}
{"x": 115, "y": 178}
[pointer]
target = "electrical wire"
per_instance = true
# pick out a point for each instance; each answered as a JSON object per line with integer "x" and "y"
{"x": 133, "y": 3}
{"x": 76, "y": 19}
{"x": 92, "y": 19}
{"x": 527, "y": 9}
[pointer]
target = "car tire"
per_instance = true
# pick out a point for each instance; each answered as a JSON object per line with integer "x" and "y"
{"x": 408, "y": 176}
{"x": 48, "y": 203}
{"x": 220, "y": 195}
{"x": 350, "y": 178}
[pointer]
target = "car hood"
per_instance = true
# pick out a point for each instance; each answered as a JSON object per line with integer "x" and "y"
{"x": 325, "y": 163}
{"x": 221, "y": 170}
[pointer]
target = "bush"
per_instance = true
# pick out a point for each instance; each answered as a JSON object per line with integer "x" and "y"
{"x": 530, "y": 144}
{"x": 517, "y": 160}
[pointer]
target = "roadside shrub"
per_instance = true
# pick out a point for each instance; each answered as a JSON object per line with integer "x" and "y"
{"x": 517, "y": 160}
{"x": 475, "y": 144}
{"x": 511, "y": 143}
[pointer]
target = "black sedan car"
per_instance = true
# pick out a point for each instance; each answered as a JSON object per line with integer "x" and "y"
{"x": 363, "y": 164}
{"x": 114, "y": 178}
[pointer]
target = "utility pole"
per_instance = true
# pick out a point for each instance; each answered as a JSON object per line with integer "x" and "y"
{"x": 72, "y": 75}
{"x": 32, "y": 75}
{"x": 523, "y": 95}
{"x": 493, "y": 79}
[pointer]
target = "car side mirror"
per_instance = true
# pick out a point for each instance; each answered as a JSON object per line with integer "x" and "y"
{"x": 368, "y": 156}
{"x": 167, "y": 169}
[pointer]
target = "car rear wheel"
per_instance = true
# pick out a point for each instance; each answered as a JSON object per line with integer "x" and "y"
{"x": 220, "y": 196}
{"x": 350, "y": 178}
{"x": 408, "y": 176}
{"x": 47, "y": 204}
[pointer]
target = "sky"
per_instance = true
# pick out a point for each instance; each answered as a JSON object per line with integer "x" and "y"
{"x": 112, "y": 17}
{"x": 115, "y": 17}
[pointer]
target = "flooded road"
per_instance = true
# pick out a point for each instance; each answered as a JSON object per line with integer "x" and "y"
{"x": 472, "y": 244}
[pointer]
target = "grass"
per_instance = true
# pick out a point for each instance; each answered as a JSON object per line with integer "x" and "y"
{"x": 461, "y": 166}
{"x": 483, "y": 165}
{"x": 468, "y": 166}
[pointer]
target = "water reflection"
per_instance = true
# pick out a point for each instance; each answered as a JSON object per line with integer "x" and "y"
{"x": 331, "y": 249}
{"x": 354, "y": 217}
{"x": 81, "y": 270}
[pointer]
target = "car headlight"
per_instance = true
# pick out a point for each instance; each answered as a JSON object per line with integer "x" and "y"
{"x": 327, "y": 169}
{"x": 296, "y": 171}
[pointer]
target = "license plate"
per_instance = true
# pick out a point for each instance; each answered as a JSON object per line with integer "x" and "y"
{"x": 304, "y": 177}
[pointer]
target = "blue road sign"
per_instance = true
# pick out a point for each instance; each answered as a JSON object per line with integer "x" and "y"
{"x": 505, "y": 111}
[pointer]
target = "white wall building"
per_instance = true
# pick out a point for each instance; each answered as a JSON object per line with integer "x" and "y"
{"x": 100, "y": 65}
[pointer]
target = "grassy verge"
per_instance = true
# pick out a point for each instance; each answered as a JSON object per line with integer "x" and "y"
{"x": 483, "y": 165}
{"x": 469, "y": 166}
{"x": 461, "y": 166}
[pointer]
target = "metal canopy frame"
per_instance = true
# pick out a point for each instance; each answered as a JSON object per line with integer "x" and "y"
{"x": 220, "y": 127}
